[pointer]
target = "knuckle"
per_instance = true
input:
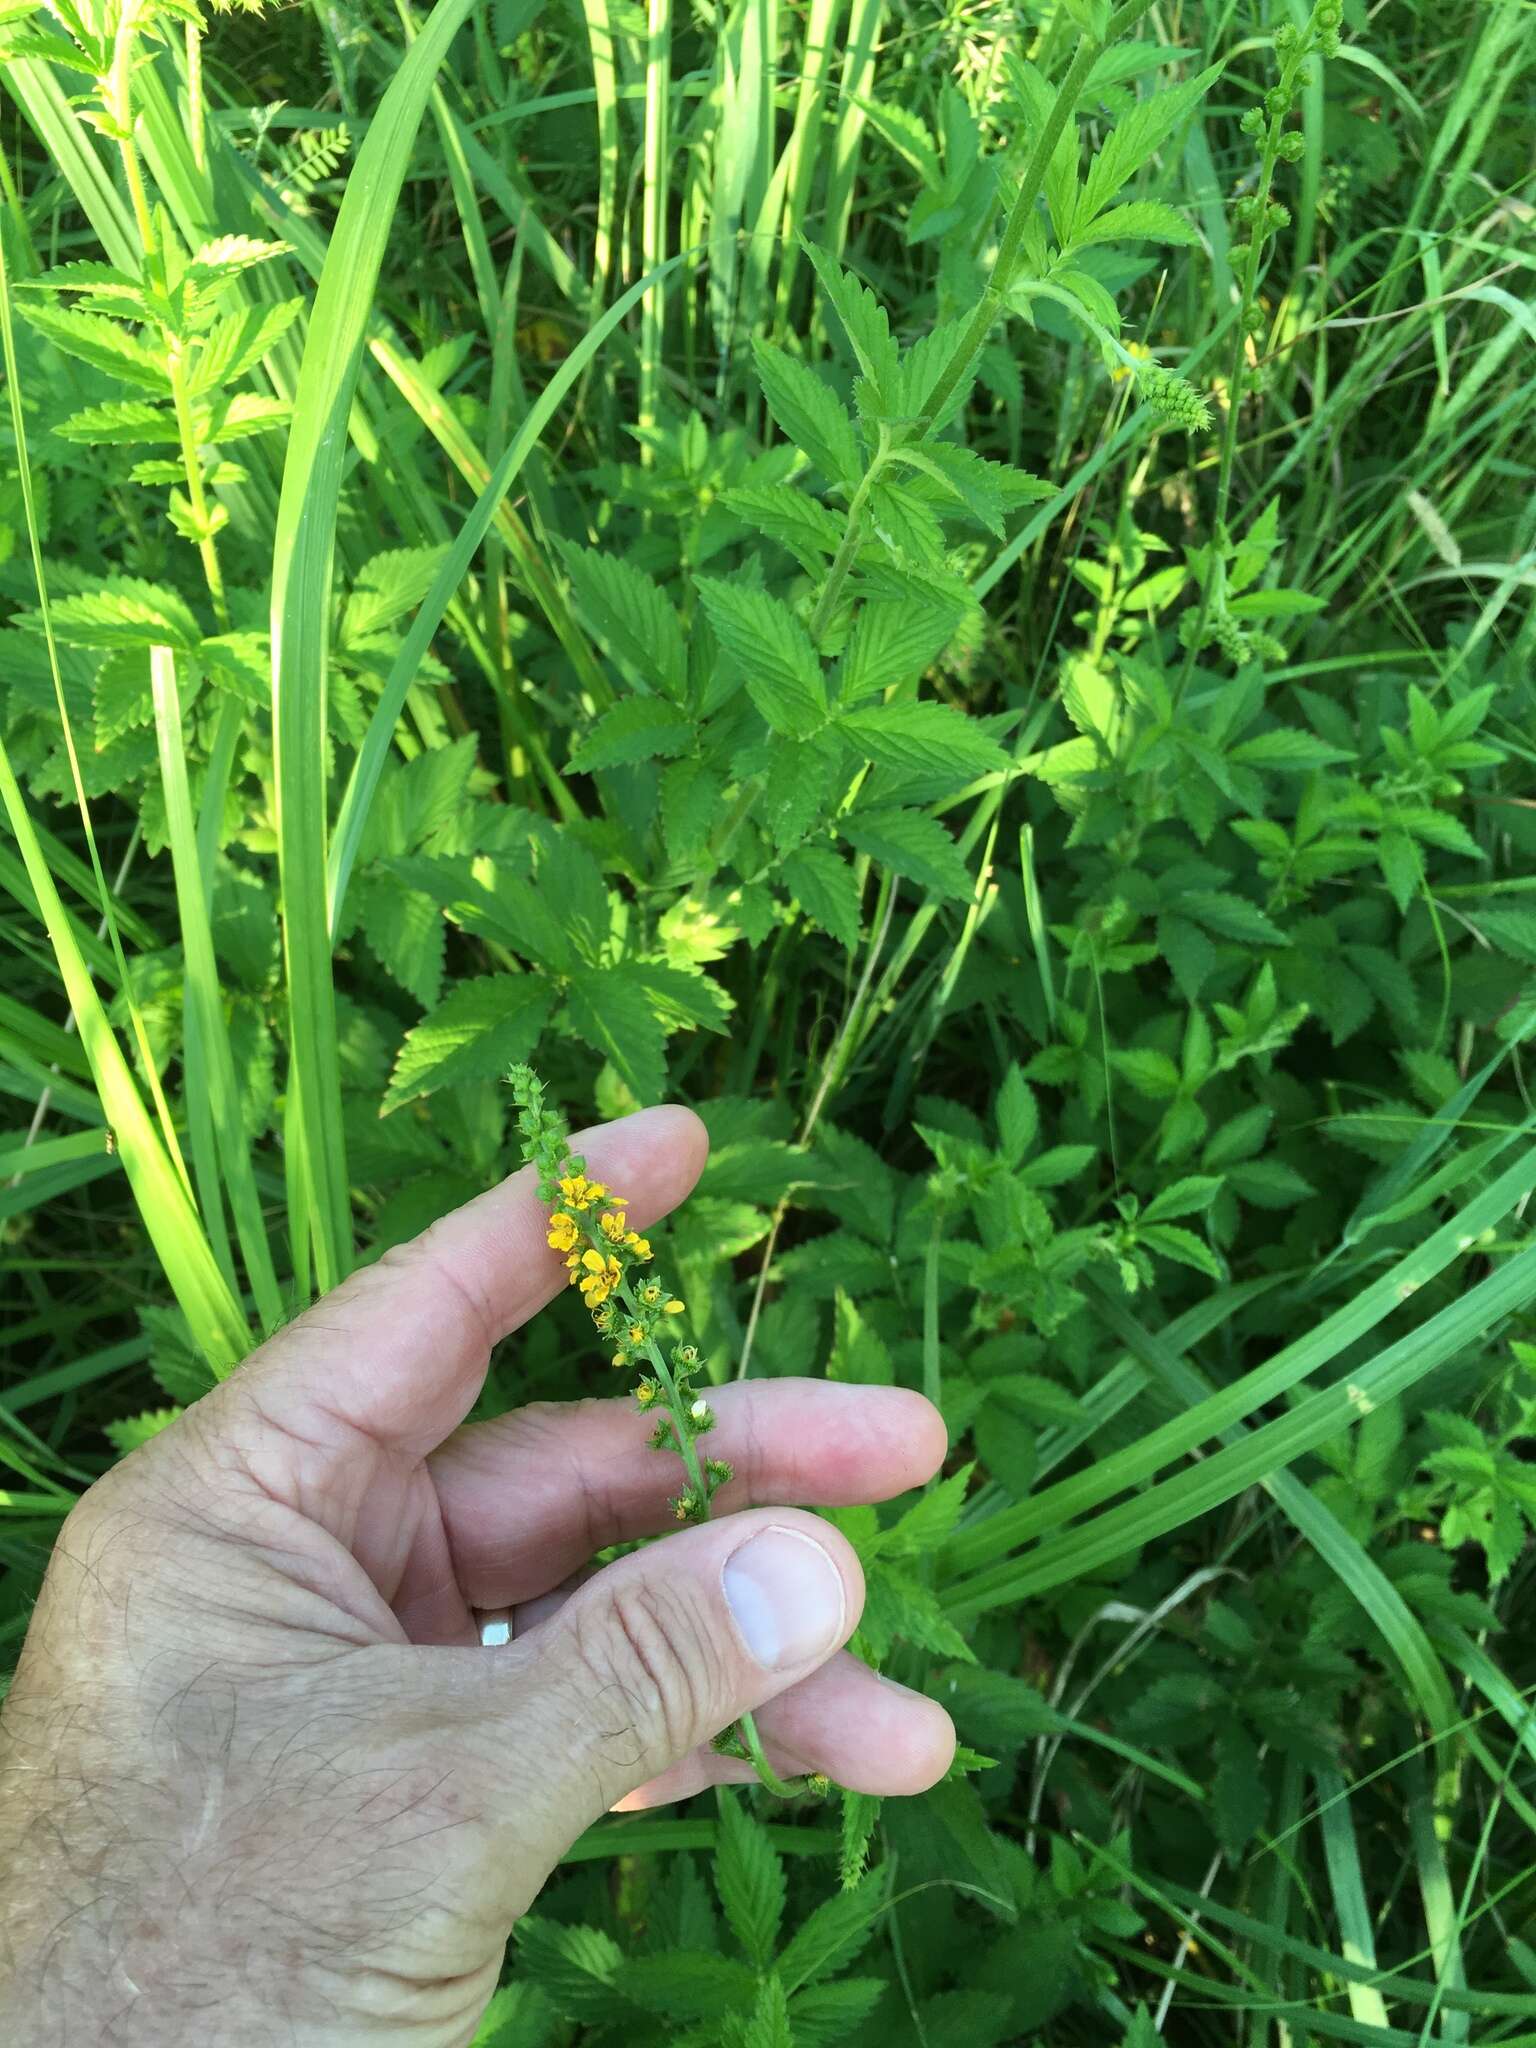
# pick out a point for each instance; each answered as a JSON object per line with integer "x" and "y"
{"x": 649, "y": 1647}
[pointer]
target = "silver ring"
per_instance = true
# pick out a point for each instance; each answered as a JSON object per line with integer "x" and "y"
{"x": 495, "y": 1625}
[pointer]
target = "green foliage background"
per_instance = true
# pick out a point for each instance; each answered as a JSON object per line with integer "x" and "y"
{"x": 951, "y": 586}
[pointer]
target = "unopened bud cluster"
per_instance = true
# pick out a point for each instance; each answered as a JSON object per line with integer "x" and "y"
{"x": 1265, "y": 123}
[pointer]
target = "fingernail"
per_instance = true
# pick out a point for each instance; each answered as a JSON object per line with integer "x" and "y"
{"x": 785, "y": 1596}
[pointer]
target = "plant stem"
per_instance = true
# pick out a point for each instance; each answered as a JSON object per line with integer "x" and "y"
{"x": 848, "y": 546}
{"x": 993, "y": 297}
{"x": 1006, "y": 262}
{"x": 686, "y": 1445}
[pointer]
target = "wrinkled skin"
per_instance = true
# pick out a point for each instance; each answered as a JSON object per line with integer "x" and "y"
{"x": 259, "y": 1781}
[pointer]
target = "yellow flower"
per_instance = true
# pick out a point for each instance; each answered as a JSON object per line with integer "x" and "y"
{"x": 640, "y": 1246}
{"x": 563, "y": 1233}
{"x": 1140, "y": 351}
{"x": 621, "y": 1359}
{"x": 598, "y": 1277}
{"x": 636, "y": 1334}
{"x": 646, "y": 1392}
{"x": 675, "y": 1307}
{"x": 581, "y": 1193}
{"x": 613, "y": 1224}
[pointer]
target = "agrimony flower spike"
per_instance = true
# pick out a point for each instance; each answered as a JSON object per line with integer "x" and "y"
{"x": 638, "y": 1317}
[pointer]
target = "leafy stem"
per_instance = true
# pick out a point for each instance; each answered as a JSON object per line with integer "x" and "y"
{"x": 853, "y": 534}
{"x": 1006, "y": 262}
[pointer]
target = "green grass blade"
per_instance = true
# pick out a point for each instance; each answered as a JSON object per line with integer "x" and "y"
{"x": 1296, "y": 1362}
{"x": 1260, "y": 1456}
{"x": 210, "y": 1059}
{"x": 302, "y": 557}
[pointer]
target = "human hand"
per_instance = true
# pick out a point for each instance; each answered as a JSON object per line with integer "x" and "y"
{"x": 260, "y": 1783}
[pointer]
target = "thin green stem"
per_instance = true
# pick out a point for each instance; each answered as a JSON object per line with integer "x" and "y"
{"x": 848, "y": 546}
{"x": 1006, "y": 262}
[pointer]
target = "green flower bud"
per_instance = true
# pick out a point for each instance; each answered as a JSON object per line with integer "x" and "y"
{"x": 1292, "y": 146}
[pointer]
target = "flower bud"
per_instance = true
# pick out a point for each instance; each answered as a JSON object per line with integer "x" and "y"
{"x": 1292, "y": 147}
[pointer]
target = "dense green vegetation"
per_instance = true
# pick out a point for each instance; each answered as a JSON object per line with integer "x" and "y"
{"x": 951, "y": 586}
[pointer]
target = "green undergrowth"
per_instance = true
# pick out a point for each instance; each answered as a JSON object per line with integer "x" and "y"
{"x": 953, "y": 588}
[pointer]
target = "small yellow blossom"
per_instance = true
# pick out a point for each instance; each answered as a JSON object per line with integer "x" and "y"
{"x": 613, "y": 1223}
{"x": 597, "y": 1278}
{"x": 581, "y": 1193}
{"x": 675, "y": 1307}
{"x": 650, "y": 1293}
{"x": 640, "y": 1246}
{"x": 563, "y": 1233}
{"x": 683, "y": 1506}
{"x": 646, "y": 1392}
{"x": 636, "y": 1334}
{"x": 620, "y": 1360}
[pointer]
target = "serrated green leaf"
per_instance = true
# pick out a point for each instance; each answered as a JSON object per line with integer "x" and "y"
{"x": 121, "y": 423}
{"x": 863, "y": 319}
{"x": 809, "y": 414}
{"x": 825, "y": 2015}
{"x": 634, "y": 729}
{"x": 404, "y": 931}
{"x": 833, "y": 1934}
{"x": 923, "y": 739}
{"x": 633, "y": 618}
{"x": 761, "y": 635}
{"x": 577, "y": 1968}
{"x": 236, "y": 416}
{"x": 132, "y": 1430}
{"x": 824, "y": 887}
{"x": 749, "y": 1876}
{"x": 911, "y": 844}
{"x": 1187, "y": 1197}
{"x": 1142, "y": 220}
{"x": 610, "y": 1009}
{"x": 387, "y": 587}
{"x": 791, "y": 516}
{"x": 1174, "y": 1242}
{"x": 105, "y": 344}
{"x": 237, "y": 343}
{"x": 1231, "y": 917}
{"x": 474, "y": 1035}
{"x": 891, "y": 644}
{"x": 1137, "y": 138}
{"x": 125, "y": 611}
{"x": 925, "y": 1525}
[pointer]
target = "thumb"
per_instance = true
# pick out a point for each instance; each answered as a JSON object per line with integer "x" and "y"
{"x": 663, "y": 1649}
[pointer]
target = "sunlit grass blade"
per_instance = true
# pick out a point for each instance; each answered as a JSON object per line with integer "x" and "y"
{"x": 210, "y": 1060}
{"x": 302, "y": 556}
{"x": 653, "y": 207}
